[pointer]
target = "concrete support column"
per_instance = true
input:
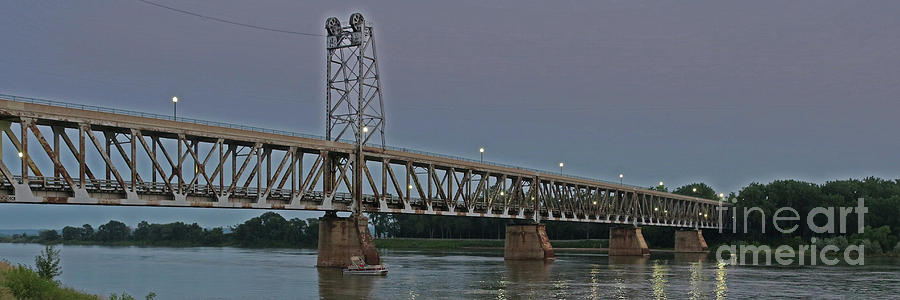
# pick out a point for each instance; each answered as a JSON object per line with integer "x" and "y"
{"x": 527, "y": 242}
{"x": 690, "y": 241}
{"x": 341, "y": 238}
{"x": 627, "y": 241}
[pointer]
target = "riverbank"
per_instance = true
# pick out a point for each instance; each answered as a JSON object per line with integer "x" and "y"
{"x": 23, "y": 283}
{"x": 170, "y": 244}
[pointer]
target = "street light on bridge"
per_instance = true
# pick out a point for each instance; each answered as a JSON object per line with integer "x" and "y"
{"x": 621, "y": 176}
{"x": 481, "y": 150}
{"x": 175, "y": 108}
{"x": 561, "y": 168}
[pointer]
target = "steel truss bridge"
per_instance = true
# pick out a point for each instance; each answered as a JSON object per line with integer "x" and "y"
{"x": 58, "y": 153}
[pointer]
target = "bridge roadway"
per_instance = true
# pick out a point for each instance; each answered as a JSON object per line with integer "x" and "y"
{"x": 76, "y": 154}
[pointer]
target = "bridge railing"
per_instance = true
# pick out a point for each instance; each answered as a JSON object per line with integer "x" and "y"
{"x": 267, "y": 130}
{"x": 156, "y": 116}
{"x": 499, "y": 164}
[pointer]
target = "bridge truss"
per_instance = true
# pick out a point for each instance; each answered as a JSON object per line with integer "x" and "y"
{"x": 60, "y": 153}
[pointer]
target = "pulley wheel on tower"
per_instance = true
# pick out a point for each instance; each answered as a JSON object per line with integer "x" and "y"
{"x": 357, "y": 22}
{"x": 333, "y": 26}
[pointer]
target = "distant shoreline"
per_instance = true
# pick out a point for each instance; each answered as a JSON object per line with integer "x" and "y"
{"x": 392, "y": 243}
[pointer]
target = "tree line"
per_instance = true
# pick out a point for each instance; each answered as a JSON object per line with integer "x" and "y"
{"x": 882, "y": 198}
{"x": 882, "y": 226}
{"x": 881, "y": 230}
{"x": 267, "y": 230}
{"x": 452, "y": 227}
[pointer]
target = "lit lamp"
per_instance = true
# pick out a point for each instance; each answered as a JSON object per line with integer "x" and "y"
{"x": 175, "y": 108}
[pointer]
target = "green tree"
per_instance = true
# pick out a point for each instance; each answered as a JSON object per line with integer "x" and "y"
{"x": 113, "y": 231}
{"x": 48, "y": 235}
{"x": 87, "y": 232}
{"x": 47, "y": 263}
{"x": 699, "y": 190}
{"x": 267, "y": 230}
{"x": 215, "y": 236}
{"x": 381, "y": 222}
{"x": 312, "y": 230}
{"x": 70, "y": 233}
{"x": 142, "y": 231}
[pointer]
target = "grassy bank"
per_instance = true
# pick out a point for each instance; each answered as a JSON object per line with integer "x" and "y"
{"x": 20, "y": 282}
{"x": 446, "y": 244}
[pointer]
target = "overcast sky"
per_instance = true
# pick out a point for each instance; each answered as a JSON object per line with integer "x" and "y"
{"x": 723, "y": 92}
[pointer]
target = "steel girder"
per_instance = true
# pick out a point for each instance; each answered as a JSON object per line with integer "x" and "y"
{"x": 100, "y": 158}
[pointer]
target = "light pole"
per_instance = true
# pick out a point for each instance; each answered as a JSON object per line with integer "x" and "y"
{"x": 621, "y": 176}
{"x": 175, "y": 108}
{"x": 481, "y": 150}
{"x": 561, "y": 165}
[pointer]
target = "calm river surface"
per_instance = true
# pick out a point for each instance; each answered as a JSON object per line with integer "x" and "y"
{"x": 231, "y": 273}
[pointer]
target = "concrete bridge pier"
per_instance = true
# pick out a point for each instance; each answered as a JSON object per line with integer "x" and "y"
{"x": 341, "y": 238}
{"x": 627, "y": 241}
{"x": 527, "y": 242}
{"x": 690, "y": 241}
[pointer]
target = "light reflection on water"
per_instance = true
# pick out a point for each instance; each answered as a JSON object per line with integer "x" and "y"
{"x": 660, "y": 274}
{"x": 229, "y": 273}
{"x": 721, "y": 287}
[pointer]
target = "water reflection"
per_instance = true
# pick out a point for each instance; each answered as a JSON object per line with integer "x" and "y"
{"x": 660, "y": 280}
{"x": 696, "y": 280}
{"x": 687, "y": 258}
{"x": 595, "y": 281}
{"x": 629, "y": 276}
{"x": 530, "y": 279}
{"x": 334, "y": 285}
{"x": 721, "y": 287}
{"x": 629, "y": 260}
{"x": 177, "y": 273}
{"x": 528, "y": 270}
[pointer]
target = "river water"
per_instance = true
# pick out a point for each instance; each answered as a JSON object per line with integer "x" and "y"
{"x": 232, "y": 273}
